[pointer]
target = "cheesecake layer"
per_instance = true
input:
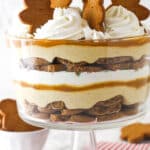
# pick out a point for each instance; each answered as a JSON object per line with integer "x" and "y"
{"x": 71, "y": 78}
{"x": 82, "y": 99}
{"x": 77, "y": 51}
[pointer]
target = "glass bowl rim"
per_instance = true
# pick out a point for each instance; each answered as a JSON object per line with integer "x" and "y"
{"x": 146, "y": 36}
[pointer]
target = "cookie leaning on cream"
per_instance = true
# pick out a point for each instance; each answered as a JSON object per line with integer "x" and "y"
{"x": 36, "y": 13}
{"x": 98, "y": 22}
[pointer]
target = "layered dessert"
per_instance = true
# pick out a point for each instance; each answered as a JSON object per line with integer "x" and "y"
{"x": 77, "y": 68}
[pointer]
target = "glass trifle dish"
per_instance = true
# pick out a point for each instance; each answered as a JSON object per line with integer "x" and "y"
{"x": 81, "y": 65}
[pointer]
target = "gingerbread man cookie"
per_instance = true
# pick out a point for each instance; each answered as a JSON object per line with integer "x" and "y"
{"x": 136, "y": 133}
{"x": 37, "y": 13}
{"x": 9, "y": 118}
{"x": 7, "y": 107}
{"x": 60, "y": 3}
{"x": 2, "y": 119}
{"x": 133, "y": 5}
{"x": 94, "y": 13}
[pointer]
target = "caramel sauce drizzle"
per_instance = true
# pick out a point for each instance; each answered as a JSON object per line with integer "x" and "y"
{"x": 49, "y": 43}
{"x": 67, "y": 88}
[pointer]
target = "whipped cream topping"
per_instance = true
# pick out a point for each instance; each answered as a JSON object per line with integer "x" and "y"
{"x": 67, "y": 24}
{"x": 93, "y": 34}
{"x": 122, "y": 23}
{"x": 147, "y": 28}
{"x": 19, "y": 29}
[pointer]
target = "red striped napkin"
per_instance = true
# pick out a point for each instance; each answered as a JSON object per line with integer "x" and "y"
{"x": 122, "y": 146}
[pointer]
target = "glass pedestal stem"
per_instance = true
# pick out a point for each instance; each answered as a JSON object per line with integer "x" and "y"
{"x": 84, "y": 140}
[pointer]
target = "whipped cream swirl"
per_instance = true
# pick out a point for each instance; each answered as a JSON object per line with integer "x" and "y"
{"x": 93, "y": 34}
{"x": 66, "y": 24}
{"x": 122, "y": 23}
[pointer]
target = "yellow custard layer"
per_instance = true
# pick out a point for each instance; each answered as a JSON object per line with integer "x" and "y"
{"x": 77, "y": 51}
{"x": 84, "y": 99}
{"x": 135, "y": 91}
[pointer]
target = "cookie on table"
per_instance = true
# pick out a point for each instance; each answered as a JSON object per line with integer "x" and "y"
{"x": 9, "y": 117}
{"x": 136, "y": 133}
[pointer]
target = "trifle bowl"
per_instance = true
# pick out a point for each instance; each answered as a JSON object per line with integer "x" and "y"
{"x": 82, "y": 81}
{"x": 80, "y": 71}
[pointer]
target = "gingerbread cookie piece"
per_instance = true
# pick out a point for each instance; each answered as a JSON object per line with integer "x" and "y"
{"x": 37, "y": 13}
{"x": 2, "y": 119}
{"x": 53, "y": 68}
{"x": 136, "y": 133}
{"x": 10, "y": 120}
{"x": 133, "y": 5}
{"x": 82, "y": 118}
{"x": 60, "y": 3}
{"x": 94, "y": 13}
{"x": 58, "y": 117}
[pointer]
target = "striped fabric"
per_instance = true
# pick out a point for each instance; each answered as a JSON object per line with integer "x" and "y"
{"x": 122, "y": 146}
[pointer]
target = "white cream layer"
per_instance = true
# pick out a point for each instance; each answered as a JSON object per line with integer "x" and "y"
{"x": 57, "y": 78}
